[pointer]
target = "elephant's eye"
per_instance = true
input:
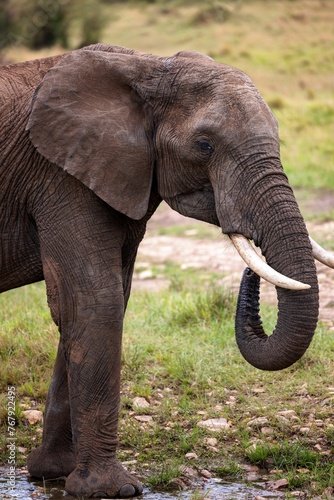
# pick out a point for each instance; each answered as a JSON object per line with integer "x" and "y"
{"x": 205, "y": 146}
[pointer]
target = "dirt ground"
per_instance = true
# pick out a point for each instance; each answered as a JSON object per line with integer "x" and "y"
{"x": 218, "y": 254}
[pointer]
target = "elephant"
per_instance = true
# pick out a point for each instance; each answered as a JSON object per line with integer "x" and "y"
{"x": 92, "y": 141}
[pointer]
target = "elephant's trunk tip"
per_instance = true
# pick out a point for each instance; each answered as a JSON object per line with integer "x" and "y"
{"x": 275, "y": 352}
{"x": 248, "y": 320}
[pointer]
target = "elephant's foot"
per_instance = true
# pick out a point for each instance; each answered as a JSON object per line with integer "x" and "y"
{"x": 50, "y": 464}
{"x": 113, "y": 481}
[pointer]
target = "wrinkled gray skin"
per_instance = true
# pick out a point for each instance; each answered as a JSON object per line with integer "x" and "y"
{"x": 91, "y": 142}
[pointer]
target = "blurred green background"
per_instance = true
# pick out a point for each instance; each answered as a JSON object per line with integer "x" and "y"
{"x": 286, "y": 46}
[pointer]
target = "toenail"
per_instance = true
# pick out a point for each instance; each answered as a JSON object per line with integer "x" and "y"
{"x": 127, "y": 491}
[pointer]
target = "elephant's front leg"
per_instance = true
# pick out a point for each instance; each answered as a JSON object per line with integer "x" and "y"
{"x": 81, "y": 246}
{"x": 94, "y": 387}
{"x": 55, "y": 457}
{"x": 88, "y": 307}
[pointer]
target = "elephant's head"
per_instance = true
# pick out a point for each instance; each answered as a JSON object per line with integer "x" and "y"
{"x": 117, "y": 120}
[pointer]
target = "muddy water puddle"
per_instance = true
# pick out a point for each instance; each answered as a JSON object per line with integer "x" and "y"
{"x": 26, "y": 489}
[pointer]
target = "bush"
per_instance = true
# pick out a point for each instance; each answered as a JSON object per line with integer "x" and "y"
{"x": 33, "y": 23}
{"x": 43, "y": 23}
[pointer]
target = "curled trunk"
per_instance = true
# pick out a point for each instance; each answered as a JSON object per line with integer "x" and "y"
{"x": 290, "y": 338}
{"x": 286, "y": 246}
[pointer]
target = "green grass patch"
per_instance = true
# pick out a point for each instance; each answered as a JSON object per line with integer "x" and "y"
{"x": 162, "y": 478}
{"x": 196, "y": 230}
{"x": 283, "y": 456}
{"x": 229, "y": 470}
{"x": 297, "y": 463}
{"x": 308, "y": 163}
{"x": 28, "y": 341}
{"x": 180, "y": 355}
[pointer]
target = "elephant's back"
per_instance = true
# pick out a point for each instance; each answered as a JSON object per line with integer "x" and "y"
{"x": 20, "y": 80}
{"x": 17, "y": 86}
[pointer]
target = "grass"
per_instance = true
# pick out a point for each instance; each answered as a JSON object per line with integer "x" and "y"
{"x": 298, "y": 464}
{"x": 27, "y": 354}
{"x": 28, "y": 340}
{"x": 195, "y": 230}
{"x": 180, "y": 355}
{"x": 283, "y": 456}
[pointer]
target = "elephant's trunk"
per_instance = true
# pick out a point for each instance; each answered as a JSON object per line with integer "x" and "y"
{"x": 285, "y": 243}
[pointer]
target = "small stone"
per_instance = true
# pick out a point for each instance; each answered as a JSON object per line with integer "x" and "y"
{"x": 191, "y": 456}
{"x": 282, "y": 419}
{"x": 287, "y": 413}
{"x": 176, "y": 484}
{"x": 304, "y": 430}
{"x": 266, "y": 431}
{"x": 211, "y": 441}
{"x": 258, "y": 390}
{"x": 129, "y": 462}
{"x": 33, "y": 416}
{"x": 326, "y": 401}
{"x": 214, "y": 424}
{"x": 20, "y": 449}
{"x": 258, "y": 421}
{"x": 144, "y": 418}
{"x": 250, "y": 468}
{"x": 276, "y": 485}
{"x": 190, "y": 473}
{"x": 205, "y": 473}
{"x": 251, "y": 477}
{"x": 140, "y": 403}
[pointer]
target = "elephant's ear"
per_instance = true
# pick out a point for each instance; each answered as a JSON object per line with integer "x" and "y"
{"x": 87, "y": 118}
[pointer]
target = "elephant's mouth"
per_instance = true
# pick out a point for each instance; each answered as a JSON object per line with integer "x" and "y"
{"x": 262, "y": 269}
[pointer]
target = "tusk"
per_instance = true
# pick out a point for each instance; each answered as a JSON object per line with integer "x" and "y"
{"x": 254, "y": 261}
{"x": 321, "y": 254}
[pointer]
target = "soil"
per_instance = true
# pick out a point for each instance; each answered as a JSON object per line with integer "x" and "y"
{"x": 218, "y": 254}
